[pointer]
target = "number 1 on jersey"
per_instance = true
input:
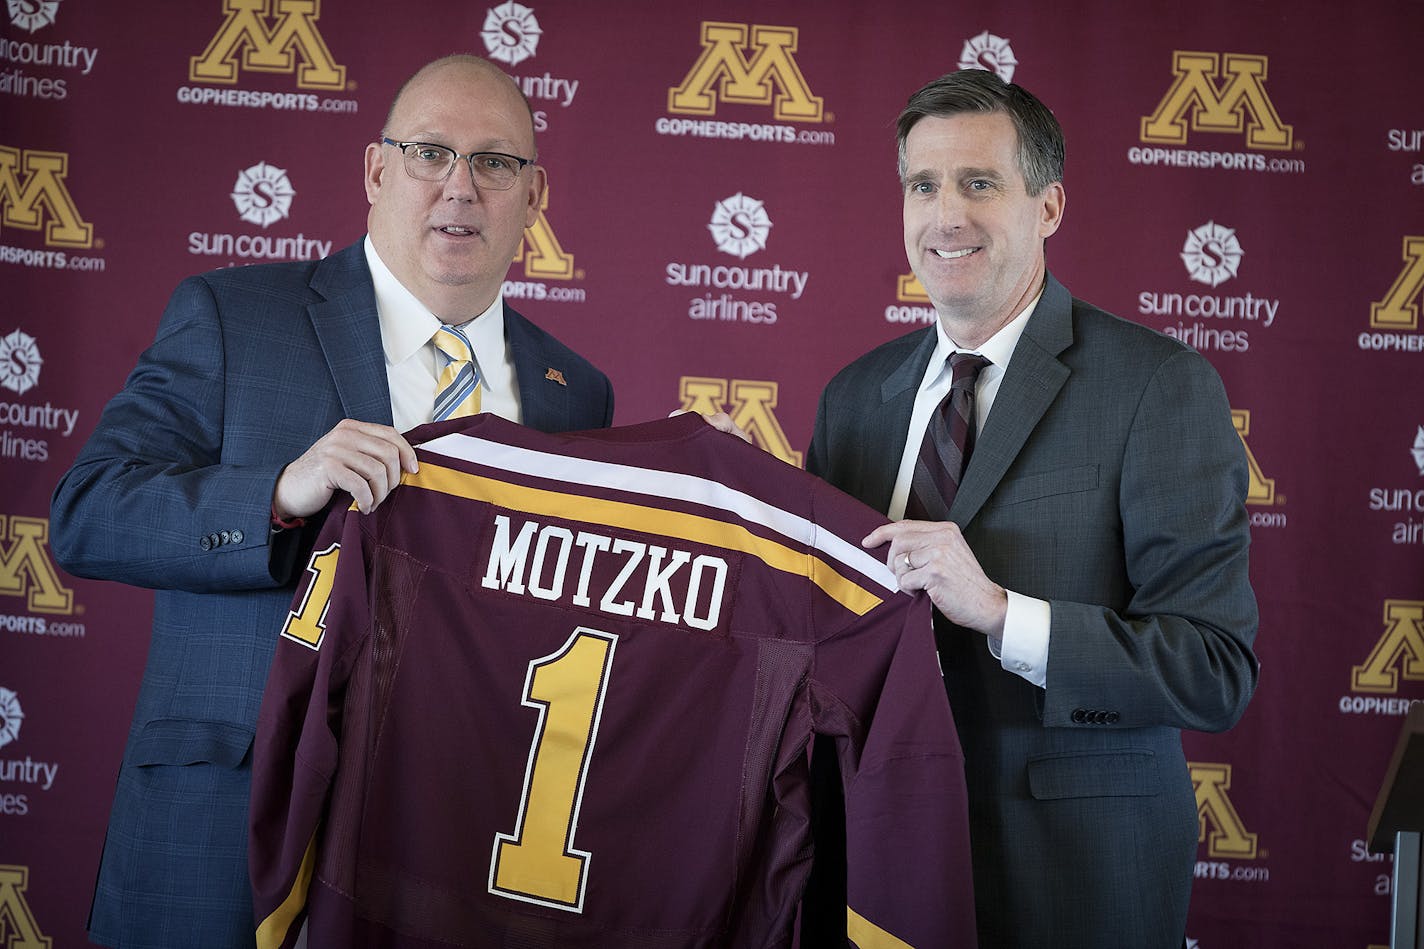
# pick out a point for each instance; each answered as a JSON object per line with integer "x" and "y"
{"x": 538, "y": 862}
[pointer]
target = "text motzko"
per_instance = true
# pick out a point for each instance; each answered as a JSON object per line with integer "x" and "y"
{"x": 613, "y": 575}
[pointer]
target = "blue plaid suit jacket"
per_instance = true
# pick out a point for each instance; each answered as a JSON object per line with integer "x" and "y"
{"x": 172, "y": 491}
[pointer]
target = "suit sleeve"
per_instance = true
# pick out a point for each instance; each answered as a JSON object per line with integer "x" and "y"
{"x": 295, "y": 749}
{"x": 877, "y": 690}
{"x": 1179, "y": 652}
{"x": 150, "y": 485}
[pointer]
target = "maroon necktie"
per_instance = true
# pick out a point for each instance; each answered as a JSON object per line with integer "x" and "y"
{"x": 949, "y": 438}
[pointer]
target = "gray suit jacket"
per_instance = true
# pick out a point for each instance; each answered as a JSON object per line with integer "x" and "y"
{"x": 1108, "y": 480}
{"x": 172, "y": 491}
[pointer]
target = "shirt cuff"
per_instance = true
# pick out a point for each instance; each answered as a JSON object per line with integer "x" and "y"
{"x": 1024, "y": 648}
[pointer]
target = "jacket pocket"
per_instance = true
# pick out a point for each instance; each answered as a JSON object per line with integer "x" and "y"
{"x": 181, "y": 741}
{"x": 1045, "y": 484}
{"x": 1097, "y": 774}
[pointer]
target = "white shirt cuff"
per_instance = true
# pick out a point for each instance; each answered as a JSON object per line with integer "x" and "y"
{"x": 1024, "y": 648}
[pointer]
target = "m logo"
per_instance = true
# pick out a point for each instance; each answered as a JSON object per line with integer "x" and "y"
{"x": 26, "y": 569}
{"x": 1241, "y": 101}
{"x": 42, "y": 188}
{"x": 1260, "y": 489}
{"x": 1219, "y": 824}
{"x": 908, "y": 289}
{"x": 750, "y": 405}
{"x": 1400, "y": 649}
{"x": 269, "y": 50}
{"x": 1212, "y": 254}
{"x": 24, "y": 932}
{"x": 1399, "y": 310}
{"x": 987, "y": 51}
{"x": 747, "y": 81}
{"x": 543, "y": 256}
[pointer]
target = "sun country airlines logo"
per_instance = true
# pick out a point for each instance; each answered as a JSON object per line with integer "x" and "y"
{"x": 1217, "y": 95}
{"x": 11, "y": 715}
{"x": 511, "y": 33}
{"x": 20, "y": 362}
{"x": 1403, "y": 503}
{"x": 745, "y": 64}
{"x": 1212, "y": 254}
{"x": 740, "y": 226}
{"x": 32, "y": 15}
{"x": 263, "y": 194}
{"x": 25, "y": 427}
{"x": 987, "y": 51}
{"x": 1395, "y": 317}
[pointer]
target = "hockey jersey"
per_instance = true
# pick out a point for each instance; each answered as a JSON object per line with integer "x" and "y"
{"x": 558, "y": 690}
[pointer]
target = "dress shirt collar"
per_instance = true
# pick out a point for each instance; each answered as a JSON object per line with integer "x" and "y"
{"x": 406, "y": 323}
{"x": 997, "y": 348}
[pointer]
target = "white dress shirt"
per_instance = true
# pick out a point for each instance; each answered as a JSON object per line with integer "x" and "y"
{"x": 413, "y": 364}
{"x": 1024, "y": 648}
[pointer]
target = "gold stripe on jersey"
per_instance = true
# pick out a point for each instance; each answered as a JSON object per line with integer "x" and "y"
{"x": 647, "y": 520}
{"x": 273, "y": 930}
{"x": 867, "y": 935}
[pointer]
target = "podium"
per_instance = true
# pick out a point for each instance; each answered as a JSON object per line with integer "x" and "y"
{"x": 1395, "y": 827}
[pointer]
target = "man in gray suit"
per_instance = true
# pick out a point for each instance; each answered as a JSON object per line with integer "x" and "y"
{"x": 1090, "y": 572}
{"x": 267, "y": 389}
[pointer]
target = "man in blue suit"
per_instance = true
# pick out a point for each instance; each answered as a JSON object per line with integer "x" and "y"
{"x": 1089, "y": 570}
{"x": 267, "y": 389}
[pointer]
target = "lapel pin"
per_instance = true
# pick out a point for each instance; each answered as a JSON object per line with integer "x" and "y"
{"x": 556, "y": 376}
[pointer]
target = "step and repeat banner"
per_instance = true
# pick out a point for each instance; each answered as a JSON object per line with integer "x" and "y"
{"x": 722, "y": 231}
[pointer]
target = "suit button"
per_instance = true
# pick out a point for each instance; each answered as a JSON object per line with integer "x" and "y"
{"x": 1100, "y": 718}
{"x": 1079, "y": 715}
{"x": 237, "y": 537}
{"x": 206, "y": 542}
{"x": 224, "y": 537}
{"x": 1113, "y": 718}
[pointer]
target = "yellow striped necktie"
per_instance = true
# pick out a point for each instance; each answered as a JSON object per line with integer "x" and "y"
{"x": 458, "y": 393}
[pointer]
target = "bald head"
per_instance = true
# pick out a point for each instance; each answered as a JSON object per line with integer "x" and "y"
{"x": 459, "y": 62}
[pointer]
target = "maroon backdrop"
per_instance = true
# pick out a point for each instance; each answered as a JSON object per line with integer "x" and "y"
{"x": 722, "y": 230}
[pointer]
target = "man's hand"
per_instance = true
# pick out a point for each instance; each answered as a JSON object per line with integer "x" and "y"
{"x": 722, "y": 422}
{"x": 933, "y": 556}
{"x": 361, "y": 458}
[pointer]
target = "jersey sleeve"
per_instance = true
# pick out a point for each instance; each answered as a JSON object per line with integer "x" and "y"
{"x": 908, "y": 871}
{"x": 295, "y": 749}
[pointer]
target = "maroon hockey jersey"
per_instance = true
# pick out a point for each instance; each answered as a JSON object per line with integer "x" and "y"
{"x": 558, "y": 690}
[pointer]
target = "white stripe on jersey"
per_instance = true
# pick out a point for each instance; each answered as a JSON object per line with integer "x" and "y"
{"x": 671, "y": 485}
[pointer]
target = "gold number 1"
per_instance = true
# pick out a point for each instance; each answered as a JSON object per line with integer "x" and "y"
{"x": 538, "y": 862}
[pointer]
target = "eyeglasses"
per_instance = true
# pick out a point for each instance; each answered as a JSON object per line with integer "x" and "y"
{"x": 426, "y": 162}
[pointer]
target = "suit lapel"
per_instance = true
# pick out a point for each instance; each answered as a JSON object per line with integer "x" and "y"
{"x": 886, "y": 435}
{"x": 349, "y": 329}
{"x": 1033, "y": 380}
{"x": 543, "y": 390}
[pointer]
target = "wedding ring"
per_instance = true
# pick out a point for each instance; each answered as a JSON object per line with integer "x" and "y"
{"x": 908, "y": 564}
